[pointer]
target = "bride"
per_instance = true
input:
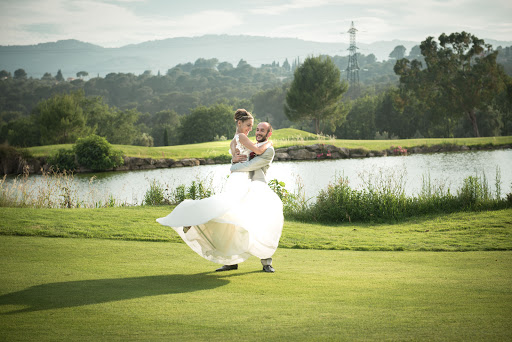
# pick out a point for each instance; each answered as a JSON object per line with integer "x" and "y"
{"x": 244, "y": 220}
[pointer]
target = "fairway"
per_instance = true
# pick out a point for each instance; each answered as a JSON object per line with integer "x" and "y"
{"x": 55, "y": 289}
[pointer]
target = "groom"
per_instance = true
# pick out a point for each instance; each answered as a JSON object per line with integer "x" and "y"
{"x": 258, "y": 167}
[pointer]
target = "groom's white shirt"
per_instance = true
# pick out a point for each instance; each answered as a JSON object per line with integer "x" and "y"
{"x": 258, "y": 166}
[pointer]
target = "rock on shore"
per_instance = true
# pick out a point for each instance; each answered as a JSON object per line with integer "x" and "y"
{"x": 294, "y": 153}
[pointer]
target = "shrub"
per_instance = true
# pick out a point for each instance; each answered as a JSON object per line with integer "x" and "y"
{"x": 96, "y": 153}
{"x": 382, "y": 202}
{"x": 221, "y": 138}
{"x": 155, "y": 194}
{"x": 197, "y": 190}
{"x": 13, "y": 160}
{"x": 474, "y": 192}
{"x": 279, "y": 188}
{"x": 144, "y": 140}
{"x": 63, "y": 160}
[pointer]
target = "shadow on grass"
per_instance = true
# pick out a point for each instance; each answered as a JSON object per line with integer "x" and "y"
{"x": 87, "y": 292}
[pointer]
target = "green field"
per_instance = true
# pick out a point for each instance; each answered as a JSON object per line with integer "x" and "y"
{"x": 281, "y": 138}
{"x": 116, "y": 275}
{"x": 464, "y": 231}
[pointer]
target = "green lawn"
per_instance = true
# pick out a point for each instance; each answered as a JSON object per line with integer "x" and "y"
{"x": 465, "y": 231}
{"x": 111, "y": 290}
{"x": 282, "y": 138}
{"x": 114, "y": 274}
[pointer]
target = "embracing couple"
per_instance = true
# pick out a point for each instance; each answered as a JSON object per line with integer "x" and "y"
{"x": 246, "y": 218}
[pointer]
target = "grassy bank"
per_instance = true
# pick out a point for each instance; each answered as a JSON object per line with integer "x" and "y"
{"x": 282, "y": 138}
{"x": 465, "y": 231}
{"x": 106, "y": 290}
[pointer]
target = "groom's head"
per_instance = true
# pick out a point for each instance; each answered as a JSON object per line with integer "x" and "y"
{"x": 263, "y": 131}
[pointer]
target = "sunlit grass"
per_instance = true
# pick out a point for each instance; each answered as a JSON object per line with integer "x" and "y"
{"x": 473, "y": 231}
{"x": 282, "y": 138}
{"x": 105, "y": 290}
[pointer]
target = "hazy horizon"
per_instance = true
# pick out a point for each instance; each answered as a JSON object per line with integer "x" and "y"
{"x": 117, "y": 23}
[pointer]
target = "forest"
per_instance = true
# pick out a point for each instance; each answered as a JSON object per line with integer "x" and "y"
{"x": 194, "y": 102}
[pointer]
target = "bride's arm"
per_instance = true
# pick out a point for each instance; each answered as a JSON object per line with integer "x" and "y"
{"x": 244, "y": 140}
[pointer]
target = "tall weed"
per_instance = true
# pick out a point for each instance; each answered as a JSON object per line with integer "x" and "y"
{"x": 53, "y": 190}
{"x": 384, "y": 200}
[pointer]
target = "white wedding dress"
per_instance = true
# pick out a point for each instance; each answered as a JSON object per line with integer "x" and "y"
{"x": 245, "y": 220}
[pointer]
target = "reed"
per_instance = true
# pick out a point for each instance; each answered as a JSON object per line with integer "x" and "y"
{"x": 57, "y": 189}
{"x": 382, "y": 199}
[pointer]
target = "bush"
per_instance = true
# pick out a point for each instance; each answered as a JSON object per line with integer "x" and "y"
{"x": 96, "y": 153}
{"x": 144, "y": 140}
{"x": 381, "y": 202}
{"x": 196, "y": 191}
{"x": 293, "y": 203}
{"x": 13, "y": 160}
{"x": 155, "y": 194}
{"x": 63, "y": 160}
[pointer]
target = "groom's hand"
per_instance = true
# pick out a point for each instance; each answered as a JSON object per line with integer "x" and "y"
{"x": 238, "y": 158}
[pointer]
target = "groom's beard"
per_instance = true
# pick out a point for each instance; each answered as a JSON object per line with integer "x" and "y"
{"x": 261, "y": 139}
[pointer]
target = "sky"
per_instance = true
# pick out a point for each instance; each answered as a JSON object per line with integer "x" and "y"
{"x": 115, "y": 23}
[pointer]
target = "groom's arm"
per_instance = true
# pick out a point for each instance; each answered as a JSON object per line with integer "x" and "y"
{"x": 256, "y": 163}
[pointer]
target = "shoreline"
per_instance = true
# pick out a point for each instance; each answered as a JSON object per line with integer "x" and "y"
{"x": 38, "y": 165}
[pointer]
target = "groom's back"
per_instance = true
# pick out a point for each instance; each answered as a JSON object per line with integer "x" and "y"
{"x": 259, "y": 175}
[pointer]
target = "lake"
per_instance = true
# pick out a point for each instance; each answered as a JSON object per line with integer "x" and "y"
{"x": 445, "y": 169}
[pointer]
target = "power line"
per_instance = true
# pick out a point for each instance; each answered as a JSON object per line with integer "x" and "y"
{"x": 353, "y": 65}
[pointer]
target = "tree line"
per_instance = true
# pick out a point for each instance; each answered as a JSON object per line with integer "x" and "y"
{"x": 454, "y": 88}
{"x": 399, "y": 98}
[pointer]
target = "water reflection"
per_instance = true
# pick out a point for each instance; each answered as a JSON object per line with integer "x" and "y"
{"x": 448, "y": 169}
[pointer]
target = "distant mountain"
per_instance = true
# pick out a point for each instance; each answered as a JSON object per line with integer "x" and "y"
{"x": 72, "y": 56}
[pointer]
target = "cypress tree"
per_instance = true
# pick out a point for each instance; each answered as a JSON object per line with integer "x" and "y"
{"x": 166, "y": 137}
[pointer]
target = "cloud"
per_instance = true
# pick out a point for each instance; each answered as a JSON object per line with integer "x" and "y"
{"x": 291, "y": 5}
{"x": 113, "y": 23}
{"x": 108, "y": 24}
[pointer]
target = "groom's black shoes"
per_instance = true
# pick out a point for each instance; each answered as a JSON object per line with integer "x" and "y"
{"x": 227, "y": 268}
{"x": 268, "y": 268}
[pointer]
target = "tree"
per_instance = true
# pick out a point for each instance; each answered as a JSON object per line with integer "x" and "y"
{"x": 166, "y": 137}
{"x": 4, "y": 74}
{"x": 370, "y": 59}
{"x": 20, "y": 74}
{"x": 82, "y": 74}
{"x": 225, "y": 66}
{"x": 286, "y": 65}
{"x": 360, "y": 123}
{"x": 204, "y": 123}
{"x": 269, "y": 106}
{"x": 118, "y": 126}
{"x": 61, "y": 118}
{"x": 144, "y": 140}
{"x": 415, "y": 53}
{"x": 315, "y": 93}
{"x": 461, "y": 76}
{"x": 165, "y": 126}
{"x": 59, "y": 76}
{"x": 23, "y": 132}
{"x": 206, "y": 63}
{"x": 398, "y": 52}
{"x": 47, "y": 77}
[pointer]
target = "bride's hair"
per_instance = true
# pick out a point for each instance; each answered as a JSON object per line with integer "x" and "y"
{"x": 242, "y": 115}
